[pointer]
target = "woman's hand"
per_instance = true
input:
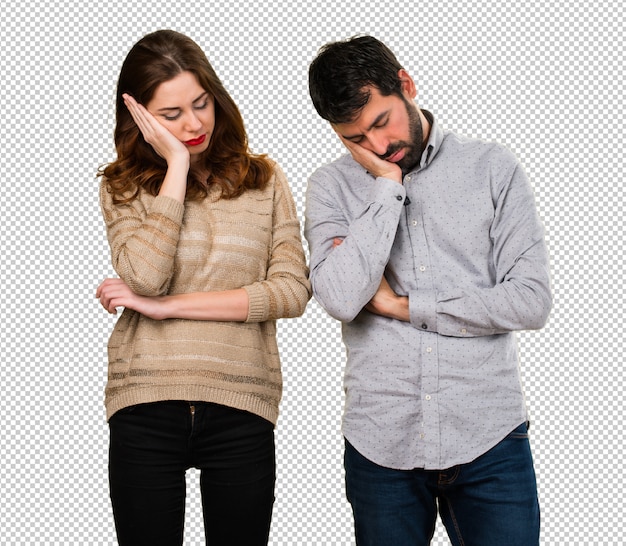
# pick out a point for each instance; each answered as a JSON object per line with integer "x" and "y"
{"x": 115, "y": 293}
{"x": 167, "y": 146}
{"x": 225, "y": 305}
{"x": 162, "y": 141}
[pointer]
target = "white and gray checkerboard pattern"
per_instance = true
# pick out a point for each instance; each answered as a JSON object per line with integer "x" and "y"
{"x": 546, "y": 79}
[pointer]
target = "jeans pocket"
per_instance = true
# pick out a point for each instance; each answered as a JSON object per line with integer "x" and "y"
{"x": 124, "y": 411}
{"x": 520, "y": 432}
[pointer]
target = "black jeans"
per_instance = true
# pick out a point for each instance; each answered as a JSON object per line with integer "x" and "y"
{"x": 151, "y": 447}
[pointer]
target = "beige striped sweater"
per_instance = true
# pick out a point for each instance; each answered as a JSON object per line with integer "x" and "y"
{"x": 159, "y": 246}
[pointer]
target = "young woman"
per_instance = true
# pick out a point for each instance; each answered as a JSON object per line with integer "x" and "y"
{"x": 206, "y": 242}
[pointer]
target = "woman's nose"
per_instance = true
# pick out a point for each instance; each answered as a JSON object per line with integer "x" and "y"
{"x": 192, "y": 122}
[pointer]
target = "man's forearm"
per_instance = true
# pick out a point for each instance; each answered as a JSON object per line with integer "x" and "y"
{"x": 388, "y": 304}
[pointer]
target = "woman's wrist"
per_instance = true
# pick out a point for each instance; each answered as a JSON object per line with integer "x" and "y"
{"x": 175, "y": 182}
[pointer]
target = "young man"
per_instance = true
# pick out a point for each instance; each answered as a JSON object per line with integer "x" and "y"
{"x": 428, "y": 248}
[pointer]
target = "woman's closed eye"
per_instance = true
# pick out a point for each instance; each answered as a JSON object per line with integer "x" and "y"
{"x": 174, "y": 113}
{"x": 172, "y": 117}
{"x": 202, "y": 105}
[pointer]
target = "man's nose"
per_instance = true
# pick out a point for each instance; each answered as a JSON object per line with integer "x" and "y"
{"x": 378, "y": 144}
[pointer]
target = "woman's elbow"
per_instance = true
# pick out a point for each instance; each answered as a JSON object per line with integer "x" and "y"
{"x": 302, "y": 295}
{"x": 145, "y": 287}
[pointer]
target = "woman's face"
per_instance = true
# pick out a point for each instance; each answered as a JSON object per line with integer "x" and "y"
{"x": 186, "y": 110}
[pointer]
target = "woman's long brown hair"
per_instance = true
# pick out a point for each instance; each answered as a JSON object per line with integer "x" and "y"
{"x": 159, "y": 57}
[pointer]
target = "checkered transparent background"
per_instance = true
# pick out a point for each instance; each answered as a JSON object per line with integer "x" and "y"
{"x": 544, "y": 78}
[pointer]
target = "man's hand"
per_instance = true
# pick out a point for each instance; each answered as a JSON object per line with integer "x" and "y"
{"x": 370, "y": 161}
{"x": 388, "y": 304}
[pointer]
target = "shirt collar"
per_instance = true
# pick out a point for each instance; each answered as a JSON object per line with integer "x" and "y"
{"x": 435, "y": 138}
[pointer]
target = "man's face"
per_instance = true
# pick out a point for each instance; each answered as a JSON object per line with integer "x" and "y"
{"x": 390, "y": 127}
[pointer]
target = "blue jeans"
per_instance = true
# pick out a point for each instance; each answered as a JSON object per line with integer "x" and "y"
{"x": 491, "y": 501}
{"x": 151, "y": 447}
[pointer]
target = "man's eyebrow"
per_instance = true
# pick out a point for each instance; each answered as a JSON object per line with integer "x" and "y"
{"x": 169, "y": 108}
{"x": 376, "y": 121}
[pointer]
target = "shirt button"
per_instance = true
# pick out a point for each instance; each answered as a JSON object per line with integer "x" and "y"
{"x": 408, "y": 178}
{"x": 429, "y": 349}
{"x": 422, "y": 268}
{"x": 414, "y": 222}
{"x": 428, "y": 397}
{"x": 424, "y": 326}
{"x": 399, "y": 197}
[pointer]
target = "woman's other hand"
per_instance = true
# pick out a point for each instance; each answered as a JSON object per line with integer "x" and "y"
{"x": 114, "y": 293}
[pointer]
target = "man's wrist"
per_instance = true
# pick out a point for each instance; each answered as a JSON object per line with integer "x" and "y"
{"x": 400, "y": 308}
{"x": 393, "y": 174}
{"x": 395, "y": 307}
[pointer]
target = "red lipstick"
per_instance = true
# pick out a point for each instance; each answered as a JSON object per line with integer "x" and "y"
{"x": 195, "y": 141}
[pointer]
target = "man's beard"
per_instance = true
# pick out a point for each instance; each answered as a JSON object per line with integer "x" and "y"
{"x": 415, "y": 146}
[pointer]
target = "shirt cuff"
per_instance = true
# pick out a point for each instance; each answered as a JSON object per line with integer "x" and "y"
{"x": 388, "y": 193}
{"x": 423, "y": 310}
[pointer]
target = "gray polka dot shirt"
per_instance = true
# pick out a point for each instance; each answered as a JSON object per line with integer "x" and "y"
{"x": 462, "y": 240}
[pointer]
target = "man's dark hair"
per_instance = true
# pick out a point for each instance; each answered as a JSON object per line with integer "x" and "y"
{"x": 340, "y": 73}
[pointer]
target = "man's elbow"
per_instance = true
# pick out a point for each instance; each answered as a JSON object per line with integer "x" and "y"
{"x": 541, "y": 310}
{"x": 337, "y": 308}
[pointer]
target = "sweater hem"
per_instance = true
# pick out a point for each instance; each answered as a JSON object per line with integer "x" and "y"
{"x": 196, "y": 393}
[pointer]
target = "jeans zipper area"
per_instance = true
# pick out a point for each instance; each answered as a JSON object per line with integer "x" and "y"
{"x": 192, "y": 412}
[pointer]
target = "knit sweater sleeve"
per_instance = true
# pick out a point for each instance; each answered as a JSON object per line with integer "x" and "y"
{"x": 143, "y": 237}
{"x": 286, "y": 289}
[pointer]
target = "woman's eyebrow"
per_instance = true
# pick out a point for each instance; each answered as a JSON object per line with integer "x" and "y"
{"x": 201, "y": 96}
{"x": 168, "y": 108}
